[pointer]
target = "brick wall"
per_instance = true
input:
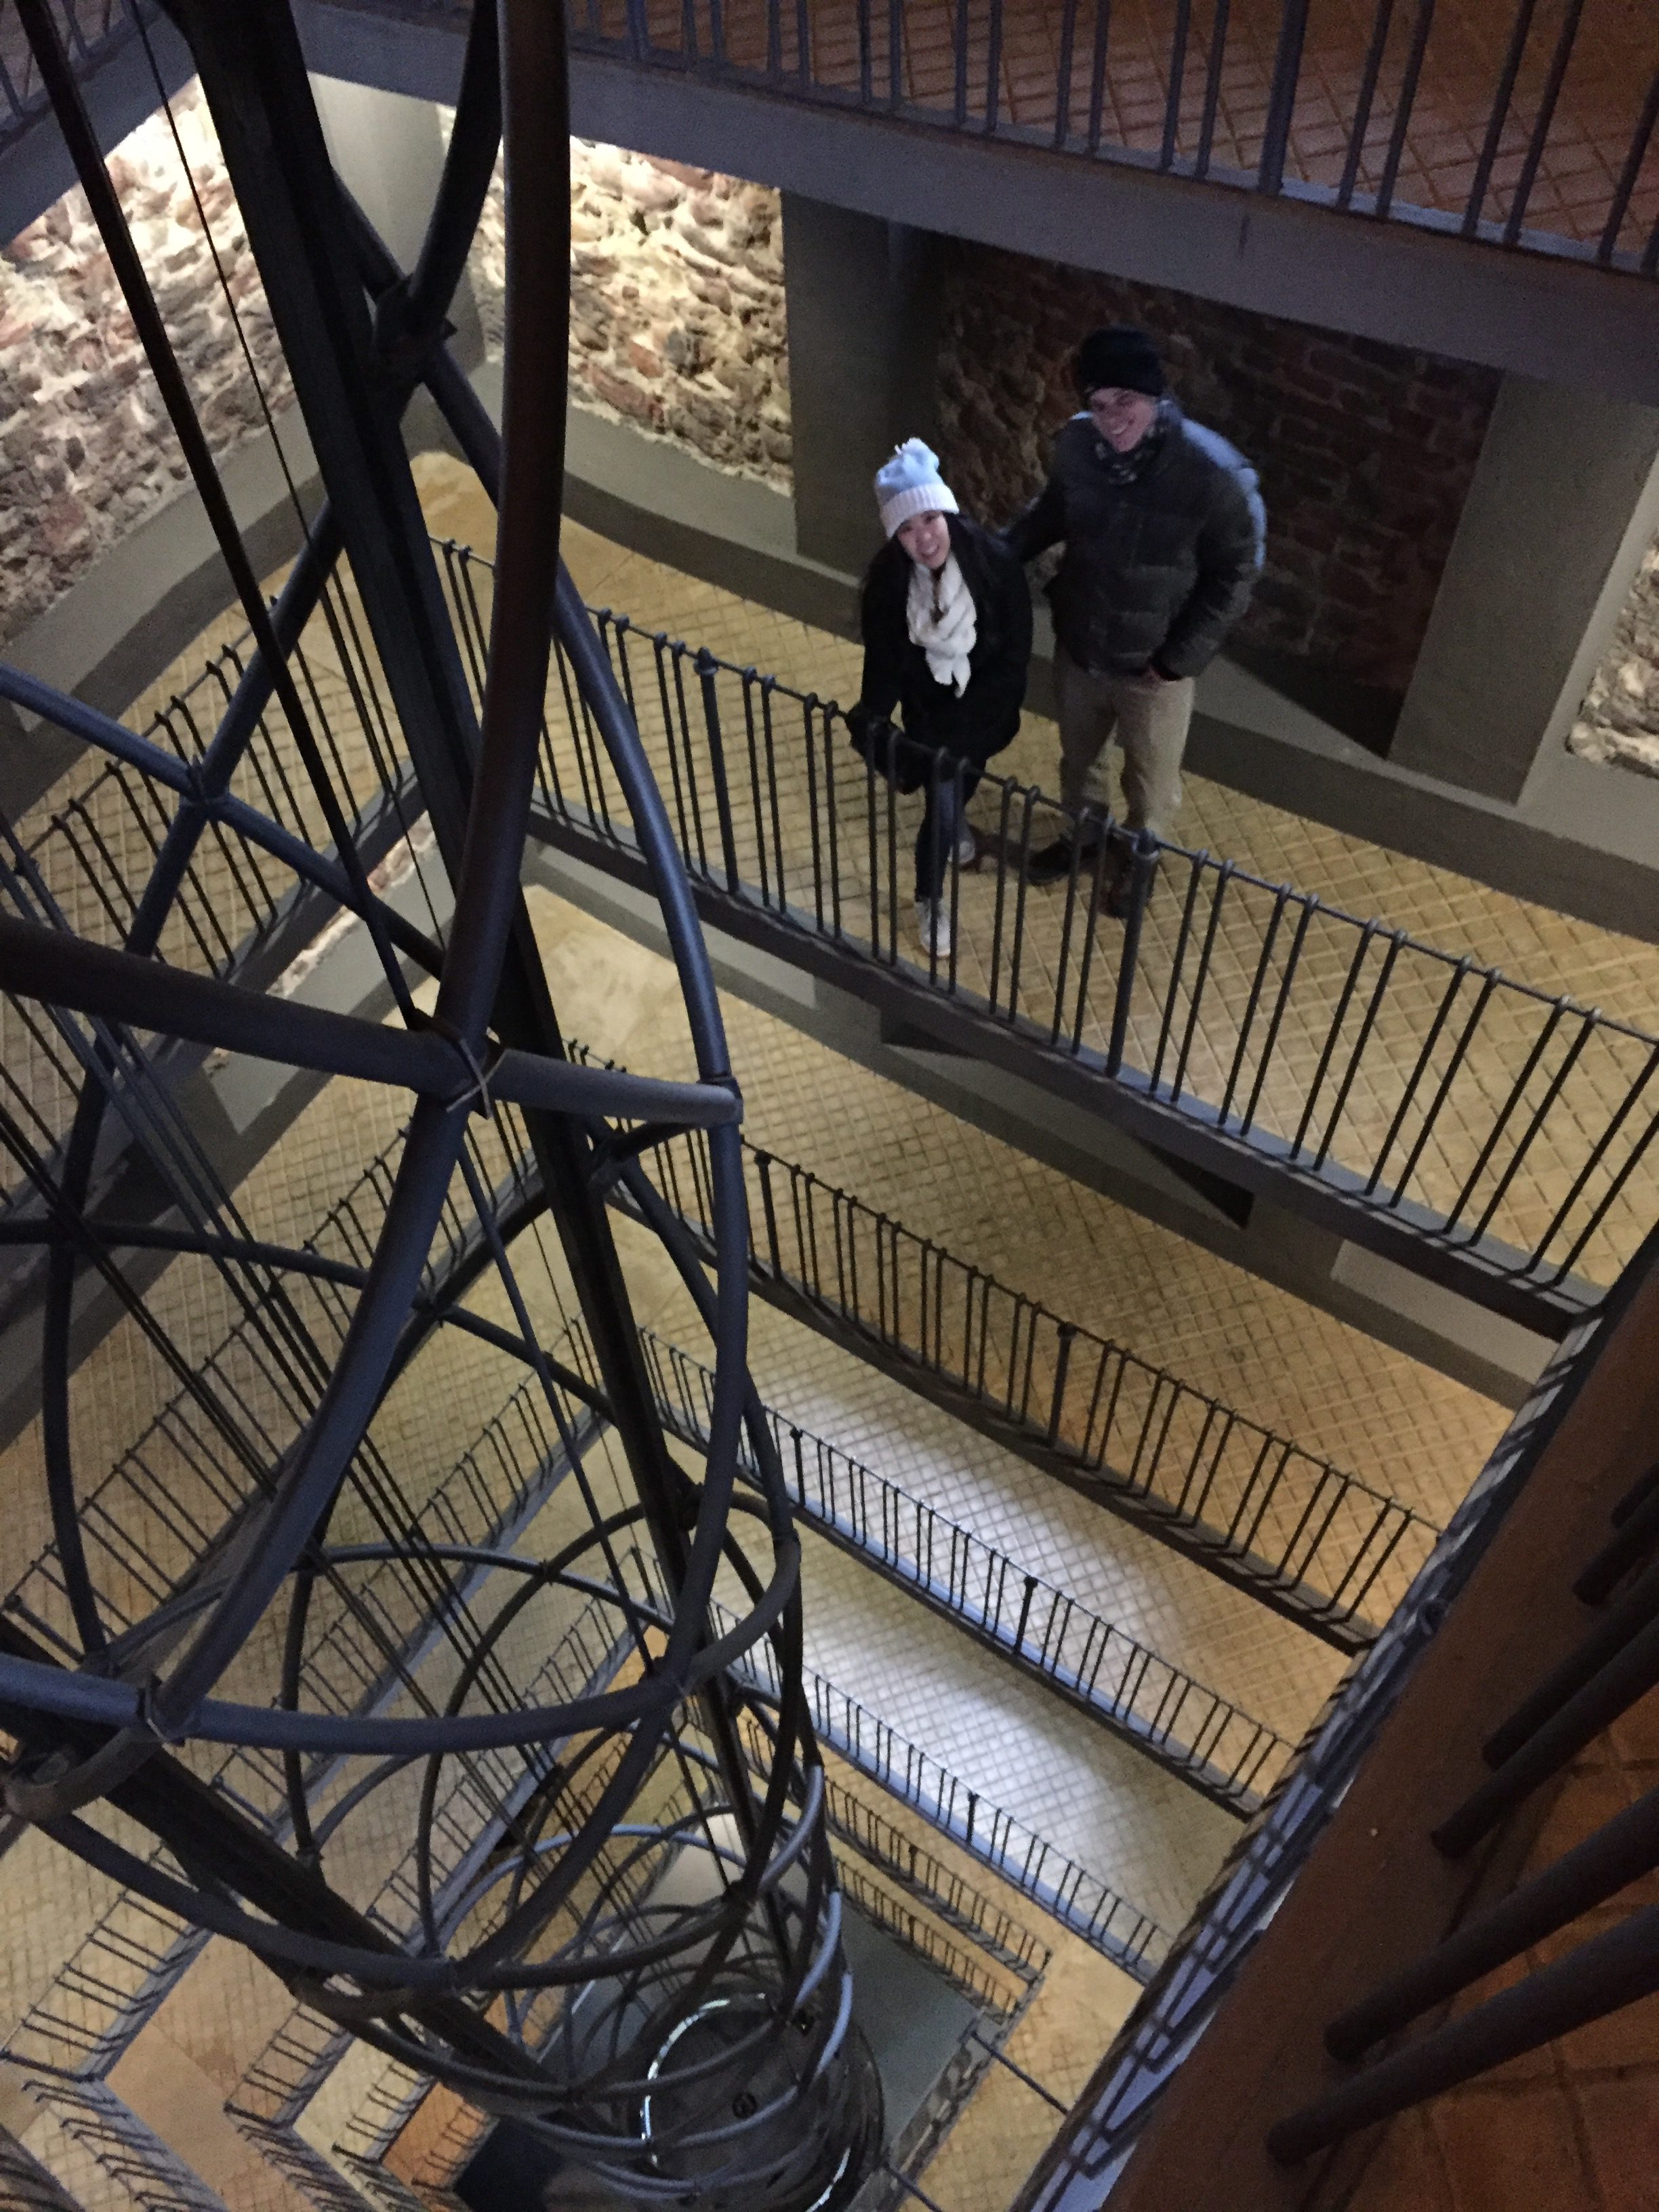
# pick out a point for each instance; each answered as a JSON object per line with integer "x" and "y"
{"x": 1364, "y": 450}
{"x": 86, "y": 450}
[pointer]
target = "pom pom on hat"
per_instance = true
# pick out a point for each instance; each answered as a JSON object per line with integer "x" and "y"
{"x": 1122, "y": 359}
{"x": 910, "y": 483}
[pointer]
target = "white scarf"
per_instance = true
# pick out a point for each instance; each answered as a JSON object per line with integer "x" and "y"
{"x": 942, "y": 620}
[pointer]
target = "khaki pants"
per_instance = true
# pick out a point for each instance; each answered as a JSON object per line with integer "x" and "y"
{"x": 1151, "y": 719}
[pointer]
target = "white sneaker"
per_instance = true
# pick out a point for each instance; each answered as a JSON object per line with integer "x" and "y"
{"x": 967, "y": 845}
{"x": 934, "y": 920}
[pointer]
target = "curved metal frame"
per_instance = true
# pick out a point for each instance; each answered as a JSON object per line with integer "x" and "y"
{"x": 640, "y": 1970}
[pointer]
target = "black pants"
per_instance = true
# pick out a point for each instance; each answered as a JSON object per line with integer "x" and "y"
{"x": 951, "y": 784}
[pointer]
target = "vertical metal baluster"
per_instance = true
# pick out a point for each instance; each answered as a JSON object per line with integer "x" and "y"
{"x": 1344, "y": 1000}
{"x": 807, "y": 705}
{"x": 961, "y": 813}
{"x": 1310, "y": 907}
{"x": 803, "y": 42}
{"x": 1540, "y": 132}
{"x": 1402, "y": 114}
{"x": 1264, "y": 960}
{"x": 1380, "y": 26}
{"x": 869, "y": 803}
{"x": 1196, "y": 865}
{"x": 895, "y": 55}
{"x": 1068, "y": 916}
{"x": 749, "y": 680}
{"x": 1184, "y": 17}
{"x": 1588, "y": 1022}
{"x": 768, "y": 684}
{"x": 959, "y": 55}
{"x": 1021, "y": 888}
{"x": 1281, "y": 98}
{"x": 1608, "y": 246}
{"x": 1144, "y": 863}
{"x": 1066, "y": 1332}
{"x": 1442, "y": 1014}
{"x": 1598, "y": 1153}
{"x": 1097, "y": 73}
{"x": 1501, "y": 1122}
{"x": 831, "y": 809}
{"x": 892, "y": 880}
{"x": 994, "y": 69}
{"x": 1223, "y": 877}
{"x": 1001, "y": 892}
{"x": 1499, "y": 116}
{"x": 1374, "y": 1006}
{"x": 1063, "y": 73}
{"x": 707, "y": 675}
{"x": 1211, "y": 88}
{"x": 867, "y": 59}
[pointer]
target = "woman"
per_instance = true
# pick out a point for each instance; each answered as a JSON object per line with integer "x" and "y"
{"x": 946, "y": 622}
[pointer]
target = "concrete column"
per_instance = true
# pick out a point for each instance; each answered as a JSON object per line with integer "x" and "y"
{"x": 1565, "y": 501}
{"x": 389, "y": 150}
{"x": 861, "y": 293}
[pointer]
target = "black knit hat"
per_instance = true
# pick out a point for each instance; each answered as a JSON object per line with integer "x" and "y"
{"x": 1121, "y": 357}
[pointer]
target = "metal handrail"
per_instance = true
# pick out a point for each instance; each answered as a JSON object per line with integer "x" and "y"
{"x": 1068, "y": 1892}
{"x": 1188, "y": 1728}
{"x": 1486, "y": 1118}
{"x": 1319, "y": 1544}
{"x": 92, "y": 30}
{"x": 965, "y": 1974}
{"x": 1493, "y": 1123}
{"x": 969, "y": 73}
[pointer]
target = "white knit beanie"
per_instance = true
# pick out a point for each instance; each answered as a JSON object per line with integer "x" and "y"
{"x": 910, "y": 483}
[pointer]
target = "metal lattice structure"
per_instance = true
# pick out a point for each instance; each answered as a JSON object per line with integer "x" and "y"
{"x": 610, "y": 1917}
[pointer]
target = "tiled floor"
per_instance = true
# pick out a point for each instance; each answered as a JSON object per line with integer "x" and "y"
{"x": 1390, "y": 1420}
{"x": 1103, "y": 78}
{"x": 1475, "y": 1100}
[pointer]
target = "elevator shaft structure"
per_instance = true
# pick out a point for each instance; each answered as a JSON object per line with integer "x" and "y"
{"x": 636, "y": 1953}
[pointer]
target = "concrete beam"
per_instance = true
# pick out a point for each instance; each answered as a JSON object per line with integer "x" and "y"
{"x": 1395, "y": 281}
{"x": 1564, "y": 504}
{"x": 119, "y": 89}
{"x": 862, "y": 300}
{"x": 1539, "y": 314}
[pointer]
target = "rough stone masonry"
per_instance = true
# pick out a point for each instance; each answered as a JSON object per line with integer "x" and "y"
{"x": 677, "y": 322}
{"x": 86, "y": 450}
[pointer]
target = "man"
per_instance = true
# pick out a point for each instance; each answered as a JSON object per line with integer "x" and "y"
{"x": 1163, "y": 526}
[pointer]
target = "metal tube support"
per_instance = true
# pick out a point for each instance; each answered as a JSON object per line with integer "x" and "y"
{"x": 1600, "y": 1976}
{"x": 1621, "y": 1852}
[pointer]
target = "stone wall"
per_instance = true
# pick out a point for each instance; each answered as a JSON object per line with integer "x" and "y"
{"x": 676, "y": 304}
{"x": 86, "y": 450}
{"x": 1365, "y": 452}
{"x": 1618, "y": 721}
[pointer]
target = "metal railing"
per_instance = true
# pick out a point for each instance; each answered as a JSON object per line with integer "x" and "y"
{"x": 990, "y": 1992}
{"x": 1160, "y": 1709}
{"x": 91, "y": 30}
{"x": 1506, "y": 1132}
{"x": 1347, "y": 110}
{"x": 921, "y": 1872}
{"x": 26, "y": 2185}
{"x": 1068, "y": 1892}
{"x": 1318, "y": 1543}
{"x": 1507, "y": 1129}
{"x": 134, "y": 2159}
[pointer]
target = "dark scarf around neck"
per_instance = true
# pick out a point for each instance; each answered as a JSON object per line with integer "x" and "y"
{"x": 1128, "y": 468}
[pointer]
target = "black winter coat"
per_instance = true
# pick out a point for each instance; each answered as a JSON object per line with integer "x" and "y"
{"x": 986, "y": 717}
{"x": 1156, "y": 570}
